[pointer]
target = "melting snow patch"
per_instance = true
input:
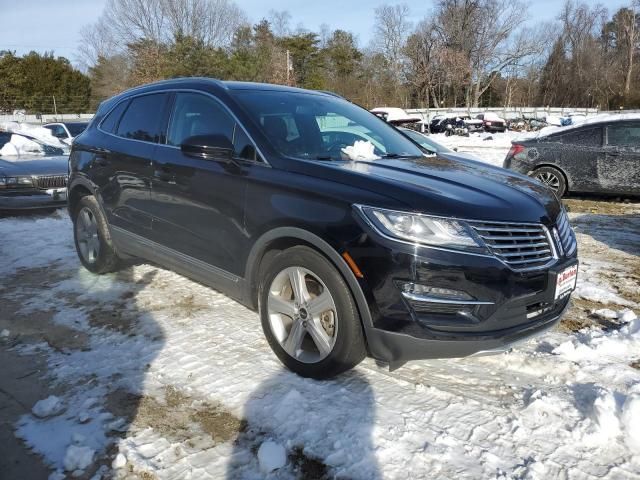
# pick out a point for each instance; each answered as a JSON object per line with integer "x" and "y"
{"x": 5, "y": 333}
{"x": 631, "y": 421}
{"x": 606, "y": 313}
{"x": 271, "y": 456}
{"x": 78, "y": 458}
{"x": 119, "y": 462}
{"x": 49, "y": 407}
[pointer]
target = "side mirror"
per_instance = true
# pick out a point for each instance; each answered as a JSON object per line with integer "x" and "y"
{"x": 208, "y": 147}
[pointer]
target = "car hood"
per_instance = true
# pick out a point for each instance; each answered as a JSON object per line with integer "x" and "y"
{"x": 34, "y": 165}
{"x": 450, "y": 186}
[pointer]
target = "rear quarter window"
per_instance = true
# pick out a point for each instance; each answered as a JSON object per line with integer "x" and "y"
{"x": 110, "y": 122}
{"x": 142, "y": 119}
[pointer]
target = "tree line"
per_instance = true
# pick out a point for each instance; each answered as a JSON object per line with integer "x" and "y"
{"x": 465, "y": 53}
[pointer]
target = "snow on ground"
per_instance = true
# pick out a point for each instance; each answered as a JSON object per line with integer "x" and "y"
{"x": 169, "y": 378}
{"x": 488, "y": 147}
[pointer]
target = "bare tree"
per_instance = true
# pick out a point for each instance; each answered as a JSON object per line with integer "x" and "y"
{"x": 391, "y": 29}
{"x": 280, "y": 21}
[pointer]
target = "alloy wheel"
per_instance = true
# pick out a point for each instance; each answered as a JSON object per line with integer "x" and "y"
{"x": 87, "y": 235}
{"x": 302, "y": 314}
{"x": 549, "y": 179}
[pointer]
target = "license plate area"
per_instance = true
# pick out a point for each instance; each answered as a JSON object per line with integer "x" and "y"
{"x": 57, "y": 193}
{"x": 566, "y": 281}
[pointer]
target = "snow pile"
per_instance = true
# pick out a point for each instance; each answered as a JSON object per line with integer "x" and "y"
{"x": 271, "y": 456}
{"x": 78, "y": 458}
{"x": 21, "y": 144}
{"x": 596, "y": 343}
{"x": 49, "y": 407}
{"x": 360, "y": 150}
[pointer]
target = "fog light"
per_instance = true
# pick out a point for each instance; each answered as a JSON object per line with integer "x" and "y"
{"x": 415, "y": 289}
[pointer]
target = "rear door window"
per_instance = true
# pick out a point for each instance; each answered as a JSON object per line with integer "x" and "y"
{"x": 194, "y": 115}
{"x": 623, "y": 135}
{"x": 143, "y": 118}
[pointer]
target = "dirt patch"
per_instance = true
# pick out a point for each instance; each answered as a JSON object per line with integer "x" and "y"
{"x": 178, "y": 418}
{"x": 635, "y": 364}
{"x": 580, "y": 315}
{"x": 115, "y": 318}
{"x": 613, "y": 206}
{"x": 38, "y": 327}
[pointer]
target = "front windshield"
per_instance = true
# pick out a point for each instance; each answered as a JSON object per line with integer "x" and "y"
{"x": 321, "y": 127}
{"x": 425, "y": 142}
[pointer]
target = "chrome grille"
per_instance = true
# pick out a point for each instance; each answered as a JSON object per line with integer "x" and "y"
{"x": 567, "y": 237}
{"x": 523, "y": 247}
{"x": 51, "y": 181}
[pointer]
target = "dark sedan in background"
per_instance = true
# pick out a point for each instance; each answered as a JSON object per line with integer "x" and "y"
{"x": 598, "y": 156}
{"x": 33, "y": 180}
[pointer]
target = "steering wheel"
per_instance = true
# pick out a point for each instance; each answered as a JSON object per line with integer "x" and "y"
{"x": 336, "y": 148}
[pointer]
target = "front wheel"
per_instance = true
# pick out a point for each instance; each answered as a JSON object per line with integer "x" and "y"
{"x": 552, "y": 178}
{"x": 309, "y": 316}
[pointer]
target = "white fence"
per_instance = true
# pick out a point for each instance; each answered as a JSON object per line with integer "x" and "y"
{"x": 507, "y": 113}
{"x": 46, "y": 118}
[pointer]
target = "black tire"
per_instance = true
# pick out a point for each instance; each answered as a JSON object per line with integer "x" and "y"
{"x": 349, "y": 347}
{"x": 106, "y": 260}
{"x": 553, "y": 178}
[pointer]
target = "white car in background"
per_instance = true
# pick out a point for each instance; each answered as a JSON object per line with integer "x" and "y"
{"x": 66, "y": 131}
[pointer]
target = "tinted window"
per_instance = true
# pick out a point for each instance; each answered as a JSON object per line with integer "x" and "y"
{"x": 110, "y": 123}
{"x": 76, "y": 129}
{"x": 591, "y": 137}
{"x": 195, "y": 114}
{"x": 243, "y": 146}
{"x": 623, "y": 135}
{"x": 143, "y": 118}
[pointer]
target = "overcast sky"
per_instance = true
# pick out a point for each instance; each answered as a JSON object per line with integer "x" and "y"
{"x": 45, "y": 25}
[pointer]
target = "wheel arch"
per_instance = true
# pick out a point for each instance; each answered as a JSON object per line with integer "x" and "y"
{"x": 284, "y": 237}
{"x": 78, "y": 188}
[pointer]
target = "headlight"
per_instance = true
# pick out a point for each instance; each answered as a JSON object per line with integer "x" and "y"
{"x": 425, "y": 229}
{"x": 14, "y": 182}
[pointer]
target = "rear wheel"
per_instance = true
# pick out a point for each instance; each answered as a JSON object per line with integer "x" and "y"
{"x": 309, "y": 316}
{"x": 552, "y": 178}
{"x": 92, "y": 239}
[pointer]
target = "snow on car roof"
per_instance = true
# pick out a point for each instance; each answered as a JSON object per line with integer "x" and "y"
{"x": 395, "y": 114}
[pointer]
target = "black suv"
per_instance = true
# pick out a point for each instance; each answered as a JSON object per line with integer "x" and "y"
{"x": 344, "y": 249}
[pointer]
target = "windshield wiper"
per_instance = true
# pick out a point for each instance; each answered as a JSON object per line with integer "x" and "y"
{"x": 397, "y": 155}
{"x": 325, "y": 157}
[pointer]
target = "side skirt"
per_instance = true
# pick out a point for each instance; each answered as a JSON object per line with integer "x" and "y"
{"x": 209, "y": 275}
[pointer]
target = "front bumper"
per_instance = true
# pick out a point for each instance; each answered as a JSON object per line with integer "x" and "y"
{"x": 514, "y": 305}
{"x": 54, "y": 198}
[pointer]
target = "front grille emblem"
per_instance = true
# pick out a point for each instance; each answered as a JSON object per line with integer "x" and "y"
{"x": 556, "y": 237}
